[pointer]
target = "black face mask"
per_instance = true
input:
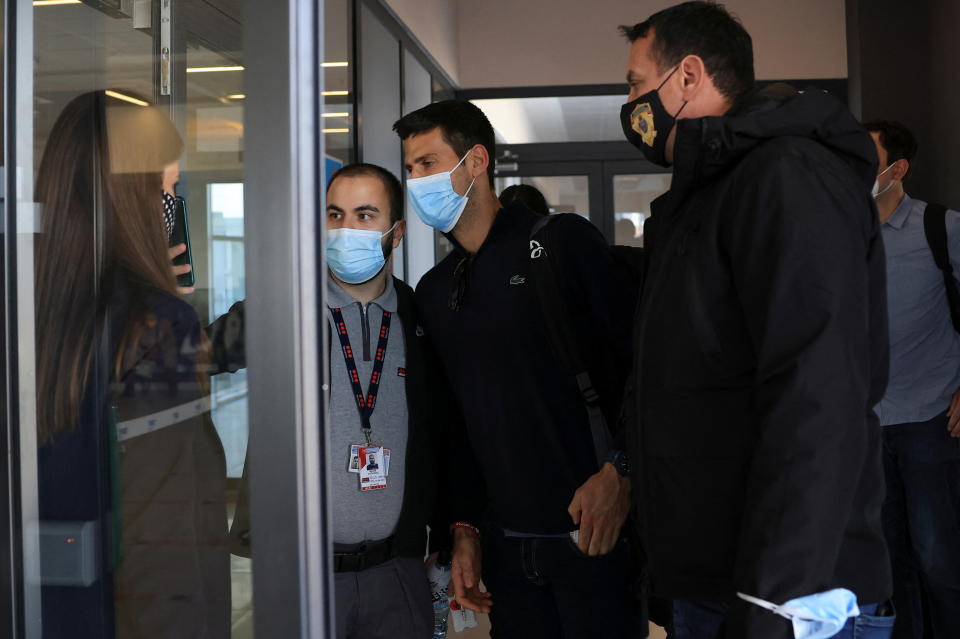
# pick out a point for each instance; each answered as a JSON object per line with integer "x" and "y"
{"x": 646, "y": 124}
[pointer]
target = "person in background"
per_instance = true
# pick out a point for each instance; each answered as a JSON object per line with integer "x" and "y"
{"x": 529, "y": 195}
{"x": 920, "y": 412}
{"x": 761, "y": 344}
{"x": 126, "y": 440}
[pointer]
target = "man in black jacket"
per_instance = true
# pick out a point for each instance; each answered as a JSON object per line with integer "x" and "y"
{"x": 529, "y": 502}
{"x": 383, "y": 421}
{"x": 761, "y": 340}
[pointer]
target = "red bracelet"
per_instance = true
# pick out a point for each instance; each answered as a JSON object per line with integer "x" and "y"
{"x": 465, "y": 526}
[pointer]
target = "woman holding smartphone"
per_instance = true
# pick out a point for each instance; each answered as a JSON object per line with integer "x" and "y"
{"x": 126, "y": 440}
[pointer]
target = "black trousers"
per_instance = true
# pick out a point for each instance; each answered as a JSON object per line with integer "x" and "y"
{"x": 389, "y": 601}
{"x": 546, "y": 588}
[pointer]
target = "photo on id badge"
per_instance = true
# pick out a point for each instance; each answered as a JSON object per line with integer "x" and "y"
{"x": 372, "y": 463}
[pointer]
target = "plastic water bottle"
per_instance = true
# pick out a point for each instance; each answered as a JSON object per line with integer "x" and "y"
{"x": 462, "y": 618}
{"x": 439, "y": 576}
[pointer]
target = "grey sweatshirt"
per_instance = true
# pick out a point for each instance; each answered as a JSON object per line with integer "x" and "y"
{"x": 372, "y": 515}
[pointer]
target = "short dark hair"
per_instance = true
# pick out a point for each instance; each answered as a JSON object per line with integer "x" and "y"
{"x": 704, "y": 29}
{"x": 896, "y": 139}
{"x": 462, "y": 124}
{"x": 388, "y": 179}
{"x": 529, "y": 195}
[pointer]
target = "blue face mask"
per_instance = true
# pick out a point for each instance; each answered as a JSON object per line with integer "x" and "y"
{"x": 354, "y": 255}
{"x": 814, "y": 616}
{"x": 435, "y": 201}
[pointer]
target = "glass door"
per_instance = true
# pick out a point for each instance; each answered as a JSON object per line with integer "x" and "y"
{"x": 169, "y": 407}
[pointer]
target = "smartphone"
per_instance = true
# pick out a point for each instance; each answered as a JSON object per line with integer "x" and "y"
{"x": 181, "y": 235}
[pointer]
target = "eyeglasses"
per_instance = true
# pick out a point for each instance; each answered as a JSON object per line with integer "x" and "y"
{"x": 459, "y": 291}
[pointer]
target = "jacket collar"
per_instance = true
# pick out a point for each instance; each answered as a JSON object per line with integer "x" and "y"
{"x": 707, "y": 147}
{"x": 339, "y": 298}
{"x": 506, "y": 220}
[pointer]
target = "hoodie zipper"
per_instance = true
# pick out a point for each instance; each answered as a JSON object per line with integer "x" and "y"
{"x": 366, "y": 333}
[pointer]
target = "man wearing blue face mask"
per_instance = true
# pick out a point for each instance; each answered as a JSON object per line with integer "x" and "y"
{"x": 761, "y": 344}
{"x": 383, "y": 431}
{"x": 532, "y": 515}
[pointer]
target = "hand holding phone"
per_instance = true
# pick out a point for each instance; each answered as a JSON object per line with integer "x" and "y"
{"x": 181, "y": 236}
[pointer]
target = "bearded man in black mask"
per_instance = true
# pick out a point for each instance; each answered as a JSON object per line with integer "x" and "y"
{"x": 761, "y": 344}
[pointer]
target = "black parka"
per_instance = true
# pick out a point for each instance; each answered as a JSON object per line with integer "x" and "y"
{"x": 761, "y": 349}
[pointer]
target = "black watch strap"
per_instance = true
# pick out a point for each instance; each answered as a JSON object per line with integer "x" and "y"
{"x": 620, "y": 462}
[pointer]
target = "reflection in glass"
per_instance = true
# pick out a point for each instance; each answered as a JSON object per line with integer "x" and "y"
{"x": 140, "y": 383}
{"x": 131, "y": 471}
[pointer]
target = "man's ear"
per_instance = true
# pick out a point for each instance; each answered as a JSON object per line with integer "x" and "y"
{"x": 399, "y": 232}
{"x": 693, "y": 73}
{"x": 900, "y": 169}
{"x": 479, "y": 161}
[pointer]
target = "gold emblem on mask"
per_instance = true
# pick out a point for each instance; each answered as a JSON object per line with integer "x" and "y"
{"x": 642, "y": 122}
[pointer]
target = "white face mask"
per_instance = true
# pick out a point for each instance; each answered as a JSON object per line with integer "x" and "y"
{"x": 876, "y": 184}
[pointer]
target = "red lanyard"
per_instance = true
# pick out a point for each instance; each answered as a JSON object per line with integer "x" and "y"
{"x": 365, "y": 403}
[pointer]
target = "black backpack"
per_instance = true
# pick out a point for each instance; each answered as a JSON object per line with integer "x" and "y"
{"x": 935, "y": 228}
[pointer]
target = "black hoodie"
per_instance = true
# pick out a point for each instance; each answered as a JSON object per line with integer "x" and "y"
{"x": 761, "y": 348}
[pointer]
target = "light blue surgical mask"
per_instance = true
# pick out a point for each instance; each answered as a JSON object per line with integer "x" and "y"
{"x": 815, "y": 616}
{"x": 355, "y": 255}
{"x": 435, "y": 201}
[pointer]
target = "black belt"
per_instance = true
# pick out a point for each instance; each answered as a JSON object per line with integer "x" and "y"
{"x": 357, "y": 557}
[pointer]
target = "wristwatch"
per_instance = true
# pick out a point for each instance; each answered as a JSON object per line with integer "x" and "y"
{"x": 620, "y": 462}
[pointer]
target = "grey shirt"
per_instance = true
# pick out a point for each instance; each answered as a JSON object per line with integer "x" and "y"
{"x": 371, "y": 515}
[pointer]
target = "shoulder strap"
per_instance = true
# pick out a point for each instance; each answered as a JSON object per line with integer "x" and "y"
{"x": 563, "y": 339}
{"x": 935, "y": 228}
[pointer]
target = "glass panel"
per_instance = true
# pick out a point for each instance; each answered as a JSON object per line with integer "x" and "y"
{"x": 592, "y": 118}
{"x": 141, "y": 390}
{"x": 632, "y": 195}
{"x": 563, "y": 193}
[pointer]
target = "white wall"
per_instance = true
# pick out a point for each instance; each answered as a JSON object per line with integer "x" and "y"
{"x": 435, "y": 24}
{"x": 550, "y": 42}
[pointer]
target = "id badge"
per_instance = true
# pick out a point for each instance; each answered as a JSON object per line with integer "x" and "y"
{"x": 353, "y": 461}
{"x": 373, "y": 473}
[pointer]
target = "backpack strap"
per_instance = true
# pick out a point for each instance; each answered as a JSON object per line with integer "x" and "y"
{"x": 935, "y": 228}
{"x": 557, "y": 321}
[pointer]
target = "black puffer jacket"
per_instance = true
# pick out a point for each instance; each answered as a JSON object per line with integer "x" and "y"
{"x": 761, "y": 350}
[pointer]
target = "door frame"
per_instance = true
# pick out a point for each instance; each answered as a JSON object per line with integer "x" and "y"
{"x": 599, "y": 161}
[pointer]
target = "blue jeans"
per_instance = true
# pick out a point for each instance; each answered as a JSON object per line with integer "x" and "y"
{"x": 704, "y": 620}
{"x": 921, "y": 521}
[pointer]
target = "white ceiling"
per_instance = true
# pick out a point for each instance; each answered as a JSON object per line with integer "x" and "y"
{"x": 594, "y": 118}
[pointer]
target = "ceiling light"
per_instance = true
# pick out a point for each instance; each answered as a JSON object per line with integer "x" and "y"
{"x": 212, "y": 69}
{"x": 334, "y": 93}
{"x": 236, "y": 96}
{"x": 335, "y": 115}
{"x": 330, "y": 65}
{"x": 53, "y": 3}
{"x": 126, "y": 98}
{"x": 336, "y": 130}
